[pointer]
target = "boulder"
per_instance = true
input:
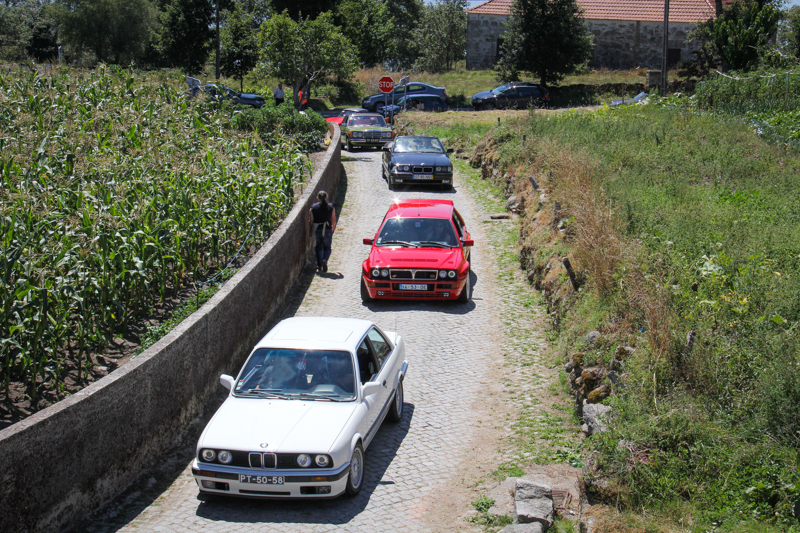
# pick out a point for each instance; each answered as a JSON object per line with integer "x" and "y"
{"x": 595, "y": 416}
{"x": 512, "y": 204}
{"x": 535, "y": 527}
{"x": 591, "y": 337}
{"x": 533, "y": 502}
{"x": 599, "y": 394}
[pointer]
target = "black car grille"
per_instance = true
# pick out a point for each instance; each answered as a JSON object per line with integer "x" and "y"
{"x": 412, "y": 274}
{"x": 372, "y": 135}
{"x": 422, "y": 170}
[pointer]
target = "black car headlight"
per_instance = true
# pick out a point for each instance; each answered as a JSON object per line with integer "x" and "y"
{"x": 386, "y": 134}
{"x": 404, "y": 168}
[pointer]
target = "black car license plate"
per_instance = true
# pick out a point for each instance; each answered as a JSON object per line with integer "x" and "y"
{"x": 261, "y": 480}
{"x": 423, "y": 176}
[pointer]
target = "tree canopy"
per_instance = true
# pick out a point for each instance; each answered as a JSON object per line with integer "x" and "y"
{"x": 238, "y": 44}
{"x": 735, "y": 38}
{"x": 406, "y": 15}
{"x": 299, "y": 10}
{"x": 441, "y": 36}
{"x": 186, "y": 34}
{"x": 302, "y": 51}
{"x": 547, "y": 38}
{"x": 370, "y": 28}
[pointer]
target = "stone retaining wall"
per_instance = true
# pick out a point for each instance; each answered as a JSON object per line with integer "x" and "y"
{"x": 66, "y": 460}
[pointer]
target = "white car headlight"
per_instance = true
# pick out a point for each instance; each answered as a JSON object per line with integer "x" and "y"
{"x": 404, "y": 168}
{"x": 357, "y": 134}
{"x": 208, "y": 455}
{"x": 442, "y": 274}
{"x": 375, "y": 273}
{"x": 322, "y": 460}
{"x": 439, "y": 169}
{"x": 304, "y": 460}
{"x": 225, "y": 457}
{"x": 385, "y": 273}
{"x": 386, "y": 134}
{"x": 451, "y": 274}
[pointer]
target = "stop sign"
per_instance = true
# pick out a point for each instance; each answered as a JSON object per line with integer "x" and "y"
{"x": 386, "y": 84}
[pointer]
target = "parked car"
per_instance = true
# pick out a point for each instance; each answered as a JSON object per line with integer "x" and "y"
{"x": 346, "y": 112}
{"x": 420, "y": 102}
{"x": 635, "y": 100}
{"x": 417, "y": 160}
{"x": 364, "y": 130}
{"x": 517, "y": 94}
{"x": 377, "y": 101}
{"x": 421, "y": 251}
{"x": 304, "y": 408}
{"x": 221, "y": 92}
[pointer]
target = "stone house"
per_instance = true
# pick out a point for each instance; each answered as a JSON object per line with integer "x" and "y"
{"x": 628, "y": 33}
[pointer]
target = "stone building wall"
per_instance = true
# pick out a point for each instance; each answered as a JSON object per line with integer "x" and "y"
{"x": 483, "y": 31}
{"x": 630, "y": 44}
{"x": 618, "y": 43}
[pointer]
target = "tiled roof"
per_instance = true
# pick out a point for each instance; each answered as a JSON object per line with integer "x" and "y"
{"x": 642, "y": 10}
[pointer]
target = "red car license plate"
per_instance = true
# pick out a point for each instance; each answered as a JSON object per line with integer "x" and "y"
{"x": 412, "y": 287}
{"x": 261, "y": 480}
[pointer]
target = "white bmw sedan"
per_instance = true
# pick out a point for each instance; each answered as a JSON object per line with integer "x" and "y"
{"x": 305, "y": 406}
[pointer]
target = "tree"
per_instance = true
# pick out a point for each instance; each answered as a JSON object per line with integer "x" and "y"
{"x": 308, "y": 9}
{"x": 368, "y": 25}
{"x": 186, "y": 34}
{"x": 406, "y": 15}
{"x": 301, "y": 52}
{"x": 105, "y": 30}
{"x": 441, "y": 36}
{"x": 239, "y": 39}
{"x": 789, "y": 34}
{"x": 735, "y": 38}
{"x": 546, "y": 38}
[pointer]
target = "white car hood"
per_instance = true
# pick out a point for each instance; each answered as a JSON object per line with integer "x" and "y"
{"x": 288, "y": 426}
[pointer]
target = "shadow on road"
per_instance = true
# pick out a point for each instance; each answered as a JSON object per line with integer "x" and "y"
{"x": 334, "y": 511}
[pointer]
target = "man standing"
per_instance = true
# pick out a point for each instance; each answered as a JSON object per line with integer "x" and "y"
{"x": 278, "y": 94}
{"x": 303, "y": 97}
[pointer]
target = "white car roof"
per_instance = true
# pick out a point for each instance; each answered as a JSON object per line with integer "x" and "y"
{"x": 316, "y": 333}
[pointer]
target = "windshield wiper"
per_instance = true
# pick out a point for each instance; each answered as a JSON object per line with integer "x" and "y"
{"x": 401, "y": 243}
{"x": 268, "y": 393}
{"x": 435, "y": 243}
{"x": 317, "y": 396}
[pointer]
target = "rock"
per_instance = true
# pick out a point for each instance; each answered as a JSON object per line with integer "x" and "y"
{"x": 623, "y": 352}
{"x": 577, "y": 358}
{"x": 595, "y": 416}
{"x": 512, "y": 204}
{"x": 591, "y": 337}
{"x": 599, "y": 394}
{"x": 534, "y": 183}
{"x": 535, "y": 527}
{"x": 533, "y": 502}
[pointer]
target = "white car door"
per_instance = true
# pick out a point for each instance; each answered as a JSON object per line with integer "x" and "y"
{"x": 368, "y": 371}
{"x": 387, "y": 361}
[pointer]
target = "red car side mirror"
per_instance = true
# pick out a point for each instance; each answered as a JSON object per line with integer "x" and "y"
{"x": 468, "y": 242}
{"x": 368, "y": 241}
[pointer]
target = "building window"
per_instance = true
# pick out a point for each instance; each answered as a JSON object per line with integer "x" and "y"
{"x": 498, "y": 50}
{"x": 673, "y": 56}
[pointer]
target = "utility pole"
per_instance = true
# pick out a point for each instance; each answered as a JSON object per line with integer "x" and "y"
{"x": 664, "y": 66}
{"x": 217, "y": 17}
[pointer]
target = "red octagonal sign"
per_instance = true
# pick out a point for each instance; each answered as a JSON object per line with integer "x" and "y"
{"x": 386, "y": 84}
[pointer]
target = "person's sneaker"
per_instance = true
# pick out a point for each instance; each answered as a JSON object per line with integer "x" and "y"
{"x": 325, "y": 266}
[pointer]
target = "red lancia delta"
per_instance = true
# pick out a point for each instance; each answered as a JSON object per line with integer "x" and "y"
{"x": 421, "y": 251}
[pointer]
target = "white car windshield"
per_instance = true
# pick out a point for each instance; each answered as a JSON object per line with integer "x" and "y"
{"x": 429, "y": 145}
{"x": 298, "y": 374}
{"x": 417, "y": 232}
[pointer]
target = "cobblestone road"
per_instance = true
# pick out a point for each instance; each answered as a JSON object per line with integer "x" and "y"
{"x": 452, "y": 350}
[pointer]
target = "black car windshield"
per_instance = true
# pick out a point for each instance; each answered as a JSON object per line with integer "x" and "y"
{"x": 421, "y": 232}
{"x": 310, "y": 374}
{"x": 428, "y": 145}
{"x": 500, "y": 89}
{"x": 366, "y": 120}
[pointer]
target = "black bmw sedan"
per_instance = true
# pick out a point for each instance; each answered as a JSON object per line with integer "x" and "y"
{"x": 417, "y": 161}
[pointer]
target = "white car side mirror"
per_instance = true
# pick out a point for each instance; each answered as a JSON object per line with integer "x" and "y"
{"x": 370, "y": 388}
{"x": 226, "y": 381}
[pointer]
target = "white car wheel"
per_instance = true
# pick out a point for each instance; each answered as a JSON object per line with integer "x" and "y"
{"x": 356, "y": 475}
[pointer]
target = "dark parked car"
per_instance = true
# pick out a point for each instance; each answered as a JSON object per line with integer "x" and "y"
{"x": 220, "y": 92}
{"x": 517, "y": 94}
{"x": 421, "y": 102}
{"x": 377, "y": 101}
{"x": 418, "y": 161}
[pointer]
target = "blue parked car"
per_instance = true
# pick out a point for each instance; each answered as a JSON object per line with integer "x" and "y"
{"x": 377, "y": 101}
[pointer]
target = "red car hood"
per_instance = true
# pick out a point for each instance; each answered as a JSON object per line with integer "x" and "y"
{"x": 400, "y": 257}
{"x": 335, "y": 120}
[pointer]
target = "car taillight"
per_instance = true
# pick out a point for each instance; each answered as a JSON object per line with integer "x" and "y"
{"x": 547, "y": 95}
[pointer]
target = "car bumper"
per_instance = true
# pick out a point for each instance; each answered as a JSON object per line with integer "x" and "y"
{"x": 437, "y": 290}
{"x": 435, "y": 179}
{"x": 316, "y": 483}
{"x": 368, "y": 142}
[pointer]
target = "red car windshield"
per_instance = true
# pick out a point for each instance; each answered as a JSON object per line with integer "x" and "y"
{"x": 417, "y": 232}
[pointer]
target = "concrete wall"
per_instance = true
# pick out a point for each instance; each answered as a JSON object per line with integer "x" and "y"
{"x": 629, "y": 44}
{"x": 482, "y": 34}
{"x": 66, "y": 460}
{"x": 618, "y": 43}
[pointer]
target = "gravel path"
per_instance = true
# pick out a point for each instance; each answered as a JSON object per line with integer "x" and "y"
{"x": 452, "y": 350}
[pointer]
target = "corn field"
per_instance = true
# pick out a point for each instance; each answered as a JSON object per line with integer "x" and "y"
{"x": 115, "y": 190}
